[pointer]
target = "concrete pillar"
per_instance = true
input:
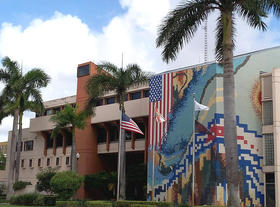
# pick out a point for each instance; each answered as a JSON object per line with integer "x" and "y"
{"x": 44, "y": 135}
{"x": 276, "y": 130}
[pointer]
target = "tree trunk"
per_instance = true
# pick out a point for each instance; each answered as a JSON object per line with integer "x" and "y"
{"x": 122, "y": 172}
{"x": 12, "y": 155}
{"x": 122, "y": 154}
{"x": 18, "y": 146}
{"x": 74, "y": 166}
{"x": 230, "y": 135}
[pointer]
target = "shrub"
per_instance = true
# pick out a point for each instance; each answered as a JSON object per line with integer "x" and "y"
{"x": 20, "y": 185}
{"x": 99, "y": 204}
{"x": 153, "y": 203}
{"x": 65, "y": 184}
{"x": 142, "y": 205}
{"x": 44, "y": 178}
{"x": 32, "y": 199}
{"x": 69, "y": 204}
{"x": 3, "y": 189}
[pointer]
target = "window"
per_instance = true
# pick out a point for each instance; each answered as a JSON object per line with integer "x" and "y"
{"x": 48, "y": 112}
{"x": 68, "y": 138}
{"x": 83, "y": 71}
{"x": 136, "y": 95}
{"x": 269, "y": 149}
{"x": 39, "y": 162}
{"x": 56, "y": 110}
{"x": 30, "y": 163}
{"x": 49, "y": 141}
{"x": 270, "y": 189}
{"x": 146, "y": 93}
{"x": 59, "y": 140}
{"x": 267, "y": 113}
{"x": 48, "y": 162}
{"x": 99, "y": 102}
{"x": 22, "y": 163}
{"x": 28, "y": 145}
{"x": 110, "y": 100}
{"x": 57, "y": 161}
{"x": 113, "y": 133}
{"x": 67, "y": 160}
{"x": 101, "y": 135}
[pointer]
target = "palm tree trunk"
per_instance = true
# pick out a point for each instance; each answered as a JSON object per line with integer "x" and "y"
{"x": 74, "y": 166}
{"x": 19, "y": 143}
{"x": 122, "y": 154}
{"x": 12, "y": 155}
{"x": 230, "y": 136}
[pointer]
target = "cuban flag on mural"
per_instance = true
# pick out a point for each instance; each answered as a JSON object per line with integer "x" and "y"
{"x": 160, "y": 104}
{"x": 129, "y": 125}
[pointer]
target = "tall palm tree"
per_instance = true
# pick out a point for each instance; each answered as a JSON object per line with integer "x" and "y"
{"x": 20, "y": 93}
{"x": 69, "y": 117}
{"x": 180, "y": 25}
{"x": 112, "y": 78}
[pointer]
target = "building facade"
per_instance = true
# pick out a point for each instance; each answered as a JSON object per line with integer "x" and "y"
{"x": 257, "y": 96}
{"x": 257, "y": 125}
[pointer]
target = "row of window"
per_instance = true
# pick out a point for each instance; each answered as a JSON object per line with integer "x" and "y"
{"x": 102, "y": 101}
{"x": 114, "y": 133}
{"x": 131, "y": 96}
{"x": 28, "y": 145}
{"x": 58, "y": 162}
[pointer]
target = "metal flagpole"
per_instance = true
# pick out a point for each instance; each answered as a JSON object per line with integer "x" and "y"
{"x": 193, "y": 151}
{"x": 119, "y": 158}
{"x": 153, "y": 168}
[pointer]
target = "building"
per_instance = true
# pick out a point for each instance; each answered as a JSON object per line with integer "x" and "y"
{"x": 257, "y": 97}
{"x": 257, "y": 117}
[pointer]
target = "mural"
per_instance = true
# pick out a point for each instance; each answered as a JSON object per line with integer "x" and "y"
{"x": 171, "y": 94}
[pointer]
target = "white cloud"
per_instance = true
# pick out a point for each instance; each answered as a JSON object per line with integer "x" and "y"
{"x": 61, "y": 42}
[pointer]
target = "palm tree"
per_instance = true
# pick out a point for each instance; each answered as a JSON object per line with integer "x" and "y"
{"x": 19, "y": 94}
{"x": 179, "y": 27}
{"x": 112, "y": 78}
{"x": 69, "y": 117}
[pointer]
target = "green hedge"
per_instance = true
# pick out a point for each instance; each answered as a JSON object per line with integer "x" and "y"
{"x": 99, "y": 204}
{"x": 142, "y": 205}
{"x": 20, "y": 185}
{"x": 153, "y": 203}
{"x": 70, "y": 203}
{"x": 33, "y": 199}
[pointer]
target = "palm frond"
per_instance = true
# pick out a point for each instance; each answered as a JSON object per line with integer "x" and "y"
{"x": 272, "y": 5}
{"x": 179, "y": 26}
{"x": 36, "y": 78}
{"x": 108, "y": 67}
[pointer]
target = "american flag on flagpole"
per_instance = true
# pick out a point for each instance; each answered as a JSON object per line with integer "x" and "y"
{"x": 129, "y": 125}
{"x": 161, "y": 93}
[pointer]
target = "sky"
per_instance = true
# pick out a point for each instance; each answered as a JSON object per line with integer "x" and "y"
{"x": 56, "y": 36}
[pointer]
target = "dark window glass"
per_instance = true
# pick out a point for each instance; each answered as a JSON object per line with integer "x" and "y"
{"x": 56, "y": 110}
{"x": 110, "y": 100}
{"x": 48, "y": 162}
{"x": 21, "y": 144}
{"x": 113, "y": 133}
{"x": 67, "y": 160}
{"x": 68, "y": 138}
{"x": 136, "y": 95}
{"x": 22, "y": 163}
{"x": 146, "y": 93}
{"x": 99, "y": 102}
{"x": 30, "y": 163}
{"x": 126, "y": 97}
{"x": 39, "y": 162}
{"x": 73, "y": 105}
{"x": 101, "y": 134}
{"x": 59, "y": 140}
{"x": 142, "y": 127}
{"x": 57, "y": 161}
{"x": 49, "y": 141}
{"x": 28, "y": 145}
{"x": 48, "y": 112}
{"x": 270, "y": 189}
{"x": 83, "y": 71}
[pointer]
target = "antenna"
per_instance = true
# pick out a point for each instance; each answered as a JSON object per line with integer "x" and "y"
{"x": 205, "y": 41}
{"x": 122, "y": 60}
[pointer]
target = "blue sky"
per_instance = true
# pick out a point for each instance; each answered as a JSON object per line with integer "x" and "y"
{"x": 94, "y": 13}
{"x": 57, "y": 35}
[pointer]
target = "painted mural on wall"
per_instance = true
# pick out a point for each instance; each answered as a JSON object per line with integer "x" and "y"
{"x": 171, "y": 95}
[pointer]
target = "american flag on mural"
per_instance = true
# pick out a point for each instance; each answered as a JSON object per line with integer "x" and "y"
{"x": 161, "y": 90}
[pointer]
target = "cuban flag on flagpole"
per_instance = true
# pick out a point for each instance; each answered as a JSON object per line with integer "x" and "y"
{"x": 159, "y": 117}
{"x": 129, "y": 125}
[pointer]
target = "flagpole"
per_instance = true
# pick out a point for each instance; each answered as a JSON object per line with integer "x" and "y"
{"x": 153, "y": 165}
{"x": 119, "y": 159}
{"x": 193, "y": 151}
